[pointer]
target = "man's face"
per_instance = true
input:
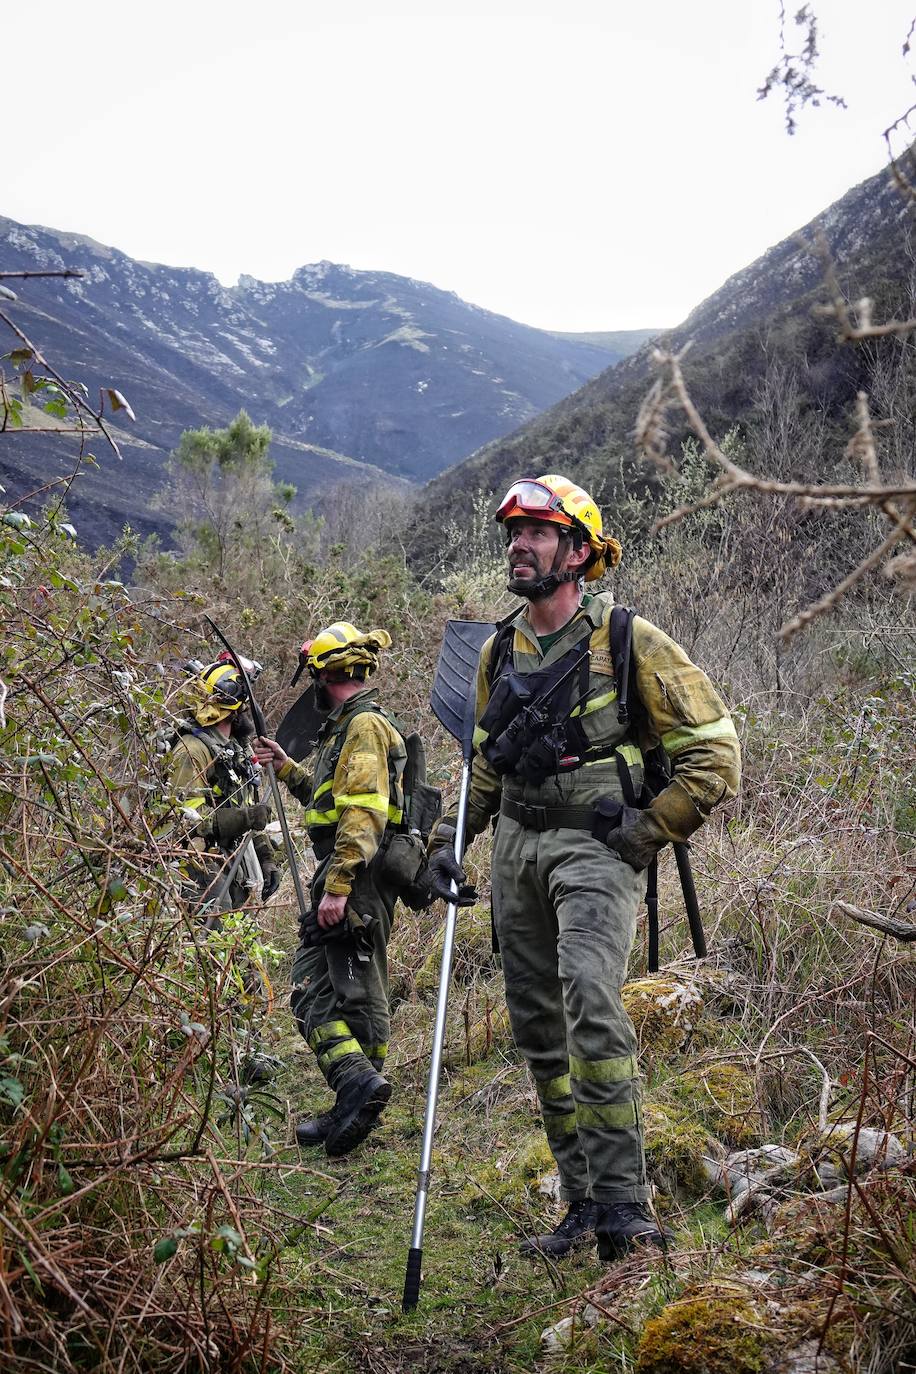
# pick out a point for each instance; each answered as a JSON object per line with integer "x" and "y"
{"x": 532, "y": 548}
{"x": 337, "y": 685}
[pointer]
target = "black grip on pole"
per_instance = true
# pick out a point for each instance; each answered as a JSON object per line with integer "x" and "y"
{"x": 653, "y": 936}
{"x": 652, "y": 910}
{"x": 685, "y": 873}
{"x": 412, "y": 1280}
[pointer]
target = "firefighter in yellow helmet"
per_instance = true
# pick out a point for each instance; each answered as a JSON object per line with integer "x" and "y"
{"x": 354, "y": 802}
{"x": 572, "y": 841}
{"x": 212, "y": 770}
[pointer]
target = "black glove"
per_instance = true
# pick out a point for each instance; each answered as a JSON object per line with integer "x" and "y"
{"x": 441, "y": 869}
{"x": 229, "y": 823}
{"x": 623, "y": 829}
{"x": 258, "y": 815}
{"x": 359, "y": 930}
{"x": 271, "y": 880}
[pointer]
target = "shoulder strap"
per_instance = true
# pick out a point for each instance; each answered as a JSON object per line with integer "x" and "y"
{"x": 501, "y": 650}
{"x": 339, "y": 733}
{"x": 621, "y": 639}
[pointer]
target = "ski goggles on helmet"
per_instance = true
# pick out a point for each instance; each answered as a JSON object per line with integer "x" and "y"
{"x": 530, "y": 497}
{"x": 250, "y": 666}
{"x": 221, "y": 681}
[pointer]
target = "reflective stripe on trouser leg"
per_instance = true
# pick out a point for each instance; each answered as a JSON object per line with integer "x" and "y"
{"x": 596, "y": 897}
{"x": 331, "y": 984}
{"x": 558, "y": 1111}
{"x": 333, "y": 1044}
{"x": 527, "y": 931}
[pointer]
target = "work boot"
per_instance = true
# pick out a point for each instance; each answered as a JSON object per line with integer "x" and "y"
{"x": 314, "y": 1131}
{"x": 622, "y": 1226}
{"x": 358, "y": 1107}
{"x": 576, "y": 1228}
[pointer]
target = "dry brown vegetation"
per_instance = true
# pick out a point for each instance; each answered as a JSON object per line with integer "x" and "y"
{"x": 153, "y": 1213}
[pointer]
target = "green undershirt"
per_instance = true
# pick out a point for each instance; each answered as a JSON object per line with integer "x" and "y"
{"x": 547, "y": 642}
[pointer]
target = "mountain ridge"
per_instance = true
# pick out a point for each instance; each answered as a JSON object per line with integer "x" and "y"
{"x": 349, "y": 367}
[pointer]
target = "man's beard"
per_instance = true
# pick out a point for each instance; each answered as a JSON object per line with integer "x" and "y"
{"x": 242, "y": 726}
{"x": 535, "y": 586}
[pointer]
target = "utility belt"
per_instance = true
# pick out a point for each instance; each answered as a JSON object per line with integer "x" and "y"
{"x": 599, "y": 820}
{"x": 542, "y": 818}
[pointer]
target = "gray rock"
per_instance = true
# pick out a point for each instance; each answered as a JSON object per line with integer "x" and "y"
{"x": 556, "y": 1340}
{"x": 804, "y": 1359}
{"x": 549, "y": 1186}
{"x": 874, "y": 1149}
{"x": 746, "y": 1169}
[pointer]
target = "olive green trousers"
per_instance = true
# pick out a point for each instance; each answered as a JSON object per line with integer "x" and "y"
{"x": 564, "y": 906}
{"x": 340, "y": 999}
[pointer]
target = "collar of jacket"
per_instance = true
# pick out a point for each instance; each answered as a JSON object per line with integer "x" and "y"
{"x": 594, "y": 613}
{"x": 340, "y": 712}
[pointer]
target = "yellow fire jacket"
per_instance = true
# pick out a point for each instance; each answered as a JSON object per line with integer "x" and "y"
{"x": 684, "y": 713}
{"x": 208, "y": 772}
{"x": 354, "y": 790}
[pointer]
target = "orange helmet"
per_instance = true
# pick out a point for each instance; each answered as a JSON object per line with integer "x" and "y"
{"x": 560, "y": 501}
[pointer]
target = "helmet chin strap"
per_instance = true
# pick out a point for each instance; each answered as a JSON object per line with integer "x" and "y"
{"x": 544, "y": 586}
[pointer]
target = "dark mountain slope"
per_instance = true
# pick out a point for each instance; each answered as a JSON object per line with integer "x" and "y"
{"x": 760, "y": 315}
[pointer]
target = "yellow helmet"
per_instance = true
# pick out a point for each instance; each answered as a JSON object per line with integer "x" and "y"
{"x": 215, "y": 693}
{"x": 343, "y": 647}
{"x": 560, "y": 501}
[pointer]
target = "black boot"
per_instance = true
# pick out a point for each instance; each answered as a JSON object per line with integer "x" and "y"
{"x": 358, "y": 1107}
{"x": 622, "y": 1226}
{"x": 576, "y": 1228}
{"x": 315, "y": 1131}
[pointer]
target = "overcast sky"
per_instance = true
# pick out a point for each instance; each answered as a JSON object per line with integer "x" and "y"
{"x": 575, "y": 164}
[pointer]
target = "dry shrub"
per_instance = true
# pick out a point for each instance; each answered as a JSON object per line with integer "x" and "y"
{"x": 136, "y": 1228}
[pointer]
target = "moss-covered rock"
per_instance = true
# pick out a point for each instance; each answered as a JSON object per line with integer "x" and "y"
{"x": 664, "y": 1012}
{"x": 534, "y": 1160}
{"x": 831, "y": 1152}
{"x": 679, "y": 1152}
{"x": 717, "y": 1329}
{"x": 724, "y": 1098}
{"x": 472, "y": 955}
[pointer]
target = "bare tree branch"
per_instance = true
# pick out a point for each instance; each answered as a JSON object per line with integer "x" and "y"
{"x": 901, "y": 930}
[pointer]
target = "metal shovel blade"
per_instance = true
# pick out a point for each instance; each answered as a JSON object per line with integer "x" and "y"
{"x": 297, "y": 732}
{"x": 452, "y": 698}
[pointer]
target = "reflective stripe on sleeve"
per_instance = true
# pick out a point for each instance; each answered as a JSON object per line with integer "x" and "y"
{"x": 370, "y": 801}
{"x": 685, "y": 735}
